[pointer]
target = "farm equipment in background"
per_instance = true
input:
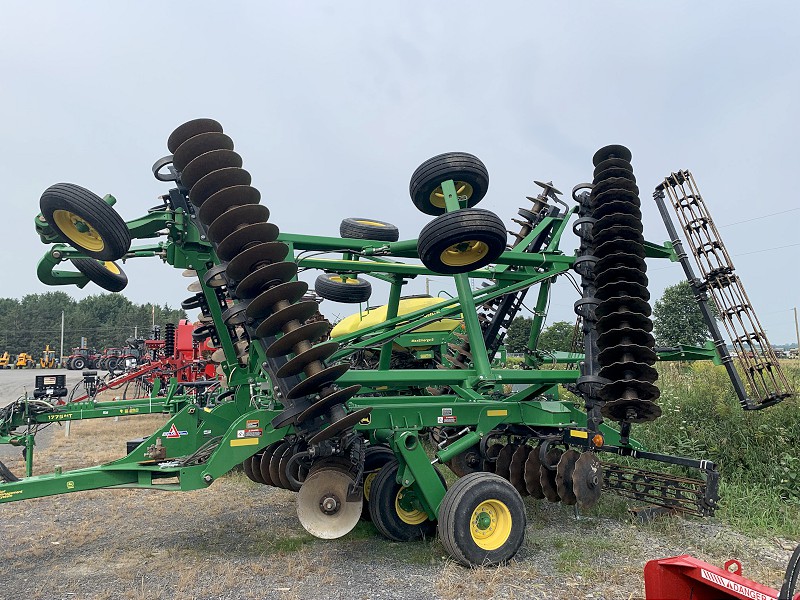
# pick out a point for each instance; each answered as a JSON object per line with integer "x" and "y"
{"x": 82, "y": 358}
{"x": 48, "y": 358}
{"x": 5, "y": 358}
{"x": 342, "y": 420}
{"x": 24, "y": 361}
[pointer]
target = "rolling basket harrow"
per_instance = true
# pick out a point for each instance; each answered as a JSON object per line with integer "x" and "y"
{"x": 343, "y": 416}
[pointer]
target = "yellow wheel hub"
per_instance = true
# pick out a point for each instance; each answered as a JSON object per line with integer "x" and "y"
{"x": 463, "y": 189}
{"x": 490, "y": 524}
{"x": 404, "y": 506}
{"x": 368, "y": 479}
{"x": 464, "y": 253}
{"x": 78, "y": 230}
{"x": 347, "y": 280}
{"x": 110, "y": 266}
{"x": 373, "y": 223}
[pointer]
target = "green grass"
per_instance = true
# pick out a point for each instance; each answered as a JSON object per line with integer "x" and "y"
{"x": 757, "y": 452}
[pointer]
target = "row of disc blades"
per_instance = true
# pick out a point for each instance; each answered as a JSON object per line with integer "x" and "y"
{"x": 254, "y": 271}
{"x": 625, "y": 343}
{"x": 566, "y": 476}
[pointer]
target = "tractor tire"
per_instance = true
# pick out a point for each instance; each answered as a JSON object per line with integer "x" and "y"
{"x": 467, "y": 171}
{"x": 78, "y": 363}
{"x": 462, "y": 241}
{"x": 83, "y": 220}
{"x": 368, "y": 229}
{"x": 374, "y": 459}
{"x": 338, "y": 288}
{"x": 107, "y": 274}
{"x": 482, "y": 520}
{"x": 102, "y": 364}
{"x": 387, "y": 513}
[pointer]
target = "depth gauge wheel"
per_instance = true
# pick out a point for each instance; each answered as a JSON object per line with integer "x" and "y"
{"x": 395, "y": 510}
{"x": 341, "y": 288}
{"x": 482, "y": 520}
{"x": 462, "y": 241}
{"x": 107, "y": 274}
{"x": 467, "y": 171}
{"x": 368, "y": 229}
{"x": 374, "y": 459}
{"x": 85, "y": 221}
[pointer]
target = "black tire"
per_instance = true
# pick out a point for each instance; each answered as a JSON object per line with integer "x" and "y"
{"x": 384, "y": 497}
{"x": 102, "y": 364}
{"x": 68, "y": 208}
{"x": 482, "y": 520}
{"x": 107, "y": 274}
{"x": 78, "y": 363}
{"x": 345, "y": 289}
{"x": 466, "y": 170}
{"x": 368, "y": 229}
{"x": 462, "y": 241}
{"x": 374, "y": 459}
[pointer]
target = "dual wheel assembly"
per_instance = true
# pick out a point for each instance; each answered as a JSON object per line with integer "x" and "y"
{"x": 91, "y": 225}
{"x": 453, "y": 242}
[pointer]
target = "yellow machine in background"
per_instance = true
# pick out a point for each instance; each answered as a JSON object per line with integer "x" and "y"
{"x": 4, "y": 359}
{"x": 48, "y": 359}
{"x": 24, "y": 361}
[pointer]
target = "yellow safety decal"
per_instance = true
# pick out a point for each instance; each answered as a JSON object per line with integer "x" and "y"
{"x": 579, "y": 434}
{"x": 497, "y": 413}
{"x": 366, "y": 420}
{"x": 245, "y": 442}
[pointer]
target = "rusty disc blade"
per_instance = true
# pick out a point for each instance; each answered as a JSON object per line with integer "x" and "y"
{"x": 502, "y": 466}
{"x": 235, "y": 218}
{"x": 225, "y": 199}
{"x": 191, "y": 129}
{"x": 216, "y": 181}
{"x": 314, "y": 354}
{"x": 247, "y": 236}
{"x": 532, "y": 471}
{"x": 309, "y": 333}
{"x": 300, "y": 311}
{"x": 199, "y": 144}
{"x": 263, "y": 305}
{"x": 324, "y": 404}
{"x": 251, "y": 259}
{"x": 209, "y": 162}
{"x": 547, "y": 476}
{"x": 340, "y": 426}
{"x": 517, "y": 469}
{"x": 317, "y": 381}
{"x": 266, "y": 459}
{"x": 587, "y": 480}
{"x": 564, "y": 470}
{"x": 275, "y": 463}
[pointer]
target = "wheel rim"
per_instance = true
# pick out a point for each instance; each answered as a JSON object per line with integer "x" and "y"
{"x": 78, "y": 230}
{"x": 372, "y": 223}
{"x": 464, "y": 253}
{"x": 368, "y": 479}
{"x": 463, "y": 190}
{"x": 347, "y": 280}
{"x": 405, "y": 506}
{"x": 490, "y": 524}
{"x": 112, "y": 267}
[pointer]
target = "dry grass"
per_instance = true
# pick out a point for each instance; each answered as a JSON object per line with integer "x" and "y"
{"x": 241, "y": 540}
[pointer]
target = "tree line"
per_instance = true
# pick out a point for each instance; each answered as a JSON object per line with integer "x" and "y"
{"x": 105, "y": 320}
{"x": 676, "y": 320}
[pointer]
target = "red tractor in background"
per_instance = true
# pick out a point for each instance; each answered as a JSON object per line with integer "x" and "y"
{"x": 82, "y": 358}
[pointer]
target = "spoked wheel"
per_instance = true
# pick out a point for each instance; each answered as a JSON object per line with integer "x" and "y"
{"x": 107, "y": 274}
{"x": 83, "y": 220}
{"x": 482, "y": 520}
{"x": 462, "y": 241}
{"x": 368, "y": 229}
{"x": 467, "y": 172}
{"x": 395, "y": 510}
{"x": 340, "y": 288}
{"x": 322, "y": 505}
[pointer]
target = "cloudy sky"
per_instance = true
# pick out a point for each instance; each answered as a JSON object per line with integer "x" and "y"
{"x": 334, "y": 104}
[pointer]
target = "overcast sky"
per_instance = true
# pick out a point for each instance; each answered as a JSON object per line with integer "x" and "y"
{"x": 334, "y": 104}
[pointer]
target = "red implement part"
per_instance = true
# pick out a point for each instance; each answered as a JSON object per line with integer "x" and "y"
{"x": 685, "y": 577}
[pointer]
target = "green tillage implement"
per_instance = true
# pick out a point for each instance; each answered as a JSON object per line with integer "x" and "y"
{"x": 303, "y": 414}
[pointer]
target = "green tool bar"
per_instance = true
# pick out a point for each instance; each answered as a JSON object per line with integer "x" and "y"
{"x": 441, "y": 377}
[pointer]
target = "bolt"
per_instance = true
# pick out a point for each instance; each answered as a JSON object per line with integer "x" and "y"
{"x": 56, "y": 254}
{"x": 208, "y": 478}
{"x": 191, "y": 410}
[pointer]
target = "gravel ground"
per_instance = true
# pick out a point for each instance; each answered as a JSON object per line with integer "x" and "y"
{"x": 242, "y": 540}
